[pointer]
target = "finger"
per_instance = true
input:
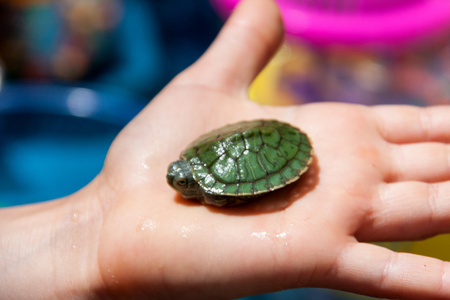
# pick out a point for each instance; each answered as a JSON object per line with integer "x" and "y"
{"x": 409, "y": 124}
{"x": 377, "y": 271}
{"x": 407, "y": 211}
{"x": 248, "y": 40}
{"x": 428, "y": 162}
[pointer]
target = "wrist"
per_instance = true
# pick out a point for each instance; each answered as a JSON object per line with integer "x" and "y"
{"x": 49, "y": 249}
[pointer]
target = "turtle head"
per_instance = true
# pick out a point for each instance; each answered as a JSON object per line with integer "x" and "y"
{"x": 180, "y": 177}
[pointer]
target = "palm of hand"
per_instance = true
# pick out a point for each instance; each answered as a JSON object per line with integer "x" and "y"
{"x": 308, "y": 234}
{"x": 299, "y": 233}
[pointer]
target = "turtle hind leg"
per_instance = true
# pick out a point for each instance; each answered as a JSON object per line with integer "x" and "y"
{"x": 217, "y": 200}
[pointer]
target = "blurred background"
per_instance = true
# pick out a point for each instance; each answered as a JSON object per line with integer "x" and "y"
{"x": 74, "y": 72}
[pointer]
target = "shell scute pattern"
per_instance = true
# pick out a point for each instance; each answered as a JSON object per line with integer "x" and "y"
{"x": 234, "y": 145}
{"x": 249, "y": 158}
{"x": 225, "y": 169}
{"x": 252, "y": 139}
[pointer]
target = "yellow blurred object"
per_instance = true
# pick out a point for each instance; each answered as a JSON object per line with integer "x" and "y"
{"x": 438, "y": 247}
{"x": 267, "y": 88}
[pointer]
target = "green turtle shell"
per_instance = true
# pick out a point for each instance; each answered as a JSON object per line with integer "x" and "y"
{"x": 249, "y": 158}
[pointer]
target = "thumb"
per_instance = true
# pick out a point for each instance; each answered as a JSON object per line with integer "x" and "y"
{"x": 246, "y": 43}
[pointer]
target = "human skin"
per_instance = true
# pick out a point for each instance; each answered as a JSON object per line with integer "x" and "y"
{"x": 379, "y": 174}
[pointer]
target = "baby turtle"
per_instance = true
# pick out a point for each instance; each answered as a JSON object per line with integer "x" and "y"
{"x": 239, "y": 162}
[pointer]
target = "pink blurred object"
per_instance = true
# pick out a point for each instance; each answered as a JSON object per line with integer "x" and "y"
{"x": 377, "y": 23}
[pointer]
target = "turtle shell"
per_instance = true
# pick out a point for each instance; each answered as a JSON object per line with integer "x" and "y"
{"x": 249, "y": 158}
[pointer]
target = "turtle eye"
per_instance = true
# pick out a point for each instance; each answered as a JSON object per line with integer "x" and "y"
{"x": 182, "y": 181}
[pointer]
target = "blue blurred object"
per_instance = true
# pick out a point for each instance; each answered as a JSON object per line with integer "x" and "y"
{"x": 306, "y": 294}
{"x": 53, "y": 139}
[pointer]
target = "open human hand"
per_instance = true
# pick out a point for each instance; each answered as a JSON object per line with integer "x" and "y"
{"x": 379, "y": 174}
